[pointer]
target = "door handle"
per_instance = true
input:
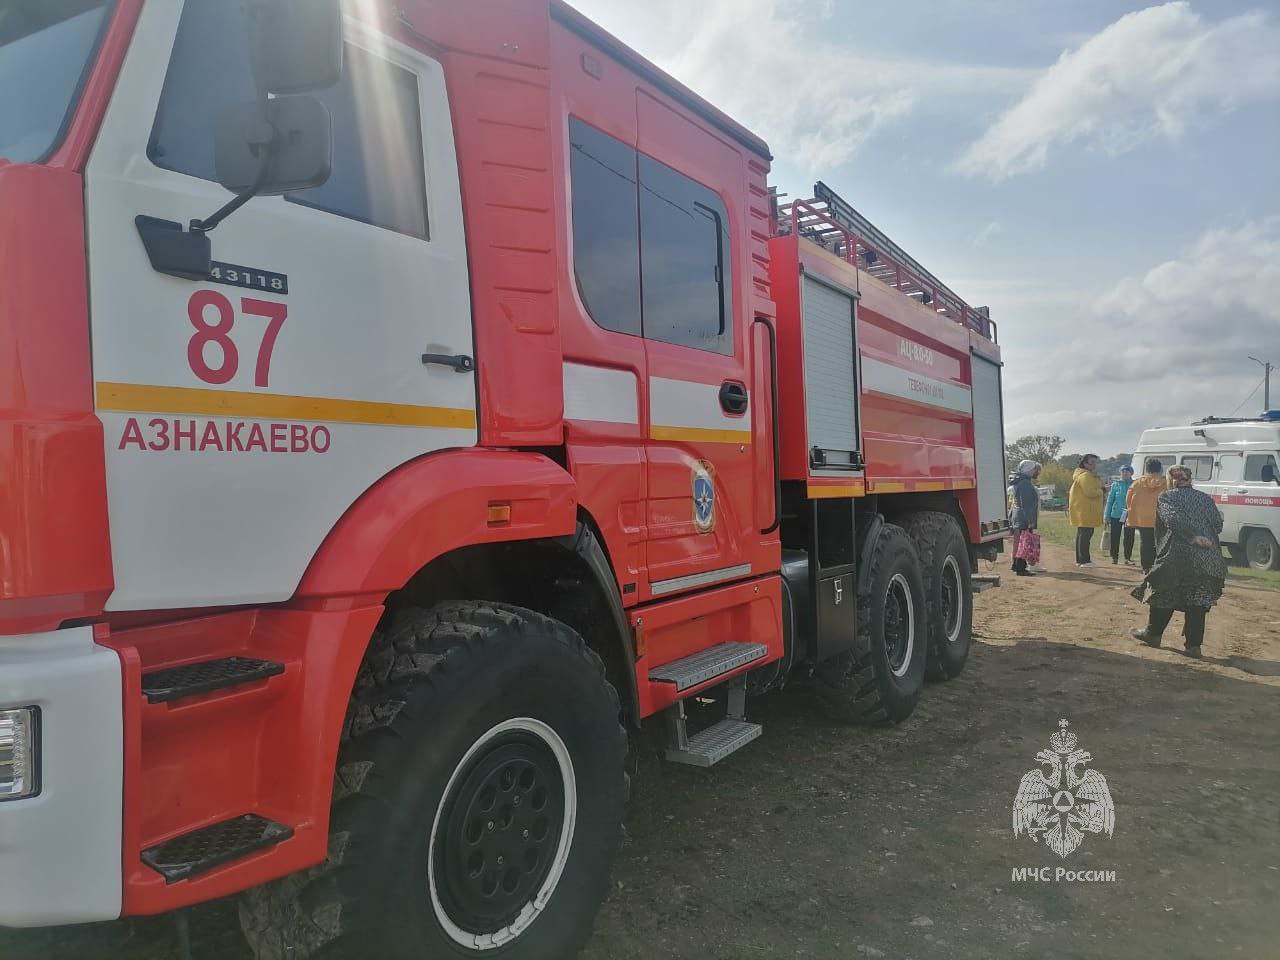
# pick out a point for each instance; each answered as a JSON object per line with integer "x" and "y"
{"x": 733, "y": 397}
{"x": 460, "y": 362}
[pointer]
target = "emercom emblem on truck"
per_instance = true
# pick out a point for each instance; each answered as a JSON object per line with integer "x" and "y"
{"x": 704, "y": 498}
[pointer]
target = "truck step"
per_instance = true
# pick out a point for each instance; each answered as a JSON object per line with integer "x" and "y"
{"x": 715, "y": 743}
{"x": 201, "y": 850}
{"x": 163, "y": 686}
{"x": 979, "y": 583}
{"x": 708, "y": 664}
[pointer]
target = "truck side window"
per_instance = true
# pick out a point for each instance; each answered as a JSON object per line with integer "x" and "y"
{"x": 378, "y": 175}
{"x": 606, "y": 231}
{"x": 684, "y": 257}
{"x": 1201, "y": 467}
{"x": 1253, "y": 465}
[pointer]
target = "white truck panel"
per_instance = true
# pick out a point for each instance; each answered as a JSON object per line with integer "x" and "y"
{"x": 246, "y": 498}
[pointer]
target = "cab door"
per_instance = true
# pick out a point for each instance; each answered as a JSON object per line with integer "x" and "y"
{"x": 701, "y": 493}
{"x": 244, "y": 412}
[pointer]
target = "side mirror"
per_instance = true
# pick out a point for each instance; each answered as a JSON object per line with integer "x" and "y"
{"x": 295, "y": 45}
{"x": 290, "y": 148}
{"x": 1269, "y": 474}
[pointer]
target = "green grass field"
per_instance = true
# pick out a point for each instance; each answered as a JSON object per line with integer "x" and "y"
{"x": 1055, "y": 528}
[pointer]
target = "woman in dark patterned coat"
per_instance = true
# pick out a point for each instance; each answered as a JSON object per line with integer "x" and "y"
{"x": 1189, "y": 571}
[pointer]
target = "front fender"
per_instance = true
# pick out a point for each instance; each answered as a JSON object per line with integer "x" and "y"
{"x": 433, "y": 505}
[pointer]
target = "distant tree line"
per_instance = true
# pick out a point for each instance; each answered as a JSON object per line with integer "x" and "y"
{"x": 1058, "y": 467}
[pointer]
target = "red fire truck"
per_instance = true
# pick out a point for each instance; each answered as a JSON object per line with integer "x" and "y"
{"x": 397, "y": 410}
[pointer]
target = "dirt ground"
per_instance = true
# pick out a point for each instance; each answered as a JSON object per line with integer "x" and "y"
{"x": 827, "y": 842}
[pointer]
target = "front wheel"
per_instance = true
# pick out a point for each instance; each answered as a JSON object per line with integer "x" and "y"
{"x": 458, "y": 827}
{"x": 1262, "y": 551}
{"x": 884, "y": 684}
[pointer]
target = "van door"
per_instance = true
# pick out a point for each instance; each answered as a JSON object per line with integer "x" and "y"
{"x": 246, "y": 411}
{"x": 1257, "y": 500}
{"x": 1230, "y": 476}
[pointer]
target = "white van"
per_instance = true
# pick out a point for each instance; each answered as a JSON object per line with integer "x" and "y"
{"x": 1237, "y": 462}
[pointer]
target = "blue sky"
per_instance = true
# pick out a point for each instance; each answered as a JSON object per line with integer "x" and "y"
{"x": 1103, "y": 175}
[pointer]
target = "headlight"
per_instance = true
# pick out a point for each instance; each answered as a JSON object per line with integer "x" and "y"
{"x": 19, "y": 753}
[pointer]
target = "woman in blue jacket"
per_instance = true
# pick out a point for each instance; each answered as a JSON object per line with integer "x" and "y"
{"x": 1116, "y": 515}
{"x": 1026, "y": 510}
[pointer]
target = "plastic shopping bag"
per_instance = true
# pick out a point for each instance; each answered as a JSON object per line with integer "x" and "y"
{"x": 1028, "y": 548}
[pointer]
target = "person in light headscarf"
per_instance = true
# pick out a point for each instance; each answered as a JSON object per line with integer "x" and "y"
{"x": 1189, "y": 572}
{"x": 1025, "y": 518}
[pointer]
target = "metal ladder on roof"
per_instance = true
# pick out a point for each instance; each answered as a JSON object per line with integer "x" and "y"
{"x": 832, "y": 222}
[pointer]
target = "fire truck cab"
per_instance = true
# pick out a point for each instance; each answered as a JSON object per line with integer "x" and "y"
{"x": 402, "y": 404}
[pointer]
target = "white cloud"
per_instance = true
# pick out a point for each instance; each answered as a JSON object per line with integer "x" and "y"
{"x": 993, "y": 228}
{"x": 1164, "y": 347}
{"x": 771, "y": 65}
{"x": 1156, "y": 73}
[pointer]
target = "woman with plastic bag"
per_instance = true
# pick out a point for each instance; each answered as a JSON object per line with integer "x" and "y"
{"x": 1025, "y": 518}
{"x": 1189, "y": 572}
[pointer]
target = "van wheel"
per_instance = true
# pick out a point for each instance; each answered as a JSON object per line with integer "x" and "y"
{"x": 948, "y": 590}
{"x": 457, "y": 827}
{"x": 883, "y": 685}
{"x": 1261, "y": 550}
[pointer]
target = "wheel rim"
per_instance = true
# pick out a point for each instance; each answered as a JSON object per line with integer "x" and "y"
{"x": 1260, "y": 551}
{"x": 899, "y": 625}
{"x": 501, "y": 834}
{"x": 952, "y": 600}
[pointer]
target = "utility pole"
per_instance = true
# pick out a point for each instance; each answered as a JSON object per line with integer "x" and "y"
{"x": 1267, "y": 367}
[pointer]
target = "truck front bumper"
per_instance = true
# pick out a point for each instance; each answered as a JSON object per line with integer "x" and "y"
{"x": 60, "y": 850}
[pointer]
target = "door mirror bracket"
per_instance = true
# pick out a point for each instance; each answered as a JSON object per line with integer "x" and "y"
{"x": 273, "y": 145}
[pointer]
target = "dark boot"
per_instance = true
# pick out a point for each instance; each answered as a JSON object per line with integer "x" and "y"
{"x": 1145, "y": 636}
{"x": 1194, "y": 632}
{"x": 1157, "y": 620}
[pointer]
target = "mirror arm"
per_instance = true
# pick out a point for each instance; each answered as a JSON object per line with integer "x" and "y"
{"x": 231, "y": 206}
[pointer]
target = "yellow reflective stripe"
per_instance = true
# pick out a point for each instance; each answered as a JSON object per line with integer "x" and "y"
{"x": 931, "y": 485}
{"x": 829, "y": 491}
{"x": 198, "y": 401}
{"x": 885, "y": 486}
{"x": 699, "y": 434}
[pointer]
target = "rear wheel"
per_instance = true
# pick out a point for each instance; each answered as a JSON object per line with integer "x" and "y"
{"x": 884, "y": 684}
{"x": 456, "y": 827}
{"x": 1262, "y": 551}
{"x": 948, "y": 590}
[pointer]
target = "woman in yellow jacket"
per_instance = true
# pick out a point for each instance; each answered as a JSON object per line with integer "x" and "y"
{"x": 1140, "y": 507}
{"x": 1084, "y": 509}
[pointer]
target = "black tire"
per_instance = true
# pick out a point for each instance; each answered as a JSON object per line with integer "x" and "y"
{"x": 948, "y": 590}
{"x": 883, "y": 685}
{"x": 1261, "y": 550}
{"x": 418, "y": 758}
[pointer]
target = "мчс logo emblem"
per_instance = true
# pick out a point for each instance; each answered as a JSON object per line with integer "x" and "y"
{"x": 1065, "y": 800}
{"x": 704, "y": 499}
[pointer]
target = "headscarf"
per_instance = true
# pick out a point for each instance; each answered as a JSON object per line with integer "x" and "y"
{"x": 1179, "y": 477}
{"x": 1027, "y": 467}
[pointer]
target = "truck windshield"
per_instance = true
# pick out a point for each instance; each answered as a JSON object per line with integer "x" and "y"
{"x": 45, "y": 50}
